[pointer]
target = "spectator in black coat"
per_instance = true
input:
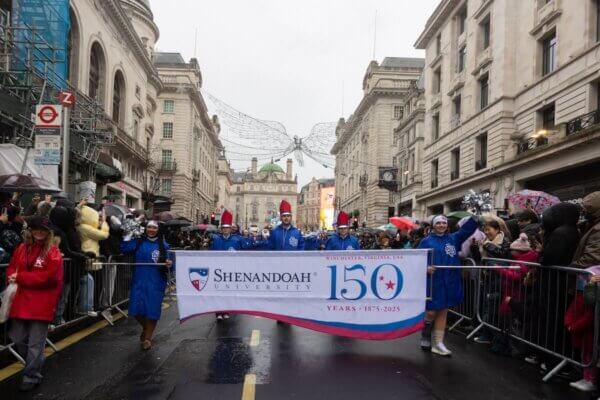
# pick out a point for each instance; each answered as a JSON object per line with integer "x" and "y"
{"x": 560, "y": 234}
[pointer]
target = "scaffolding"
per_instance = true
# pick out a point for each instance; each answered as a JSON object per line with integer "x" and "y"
{"x": 34, "y": 61}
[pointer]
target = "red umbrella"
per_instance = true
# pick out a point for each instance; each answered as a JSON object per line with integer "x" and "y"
{"x": 402, "y": 223}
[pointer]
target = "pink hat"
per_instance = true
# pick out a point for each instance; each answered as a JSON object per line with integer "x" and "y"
{"x": 521, "y": 244}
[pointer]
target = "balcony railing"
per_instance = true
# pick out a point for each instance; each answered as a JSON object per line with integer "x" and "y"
{"x": 167, "y": 166}
{"x": 133, "y": 145}
{"x": 583, "y": 122}
{"x": 531, "y": 144}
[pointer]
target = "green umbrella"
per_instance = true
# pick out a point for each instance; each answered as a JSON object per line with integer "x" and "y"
{"x": 388, "y": 228}
{"x": 458, "y": 214}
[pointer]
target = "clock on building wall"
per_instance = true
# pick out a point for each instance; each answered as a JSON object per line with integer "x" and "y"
{"x": 388, "y": 178}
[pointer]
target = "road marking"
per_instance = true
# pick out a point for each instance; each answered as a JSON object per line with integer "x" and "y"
{"x": 249, "y": 391}
{"x": 15, "y": 368}
{"x": 255, "y": 338}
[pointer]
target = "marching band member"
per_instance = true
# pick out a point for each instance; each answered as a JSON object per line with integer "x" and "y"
{"x": 445, "y": 286}
{"x": 226, "y": 241}
{"x": 285, "y": 236}
{"x": 149, "y": 280}
{"x": 342, "y": 240}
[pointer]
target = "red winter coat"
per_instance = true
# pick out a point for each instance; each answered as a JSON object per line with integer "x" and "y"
{"x": 579, "y": 321}
{"x": 512, "y": 280}
{"x": 39, "y": 282}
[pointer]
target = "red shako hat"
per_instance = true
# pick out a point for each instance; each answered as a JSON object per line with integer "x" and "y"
{"x": 285, "y": 208}
{"x": 342, "y": 220}
{"x": 226, "y": 219}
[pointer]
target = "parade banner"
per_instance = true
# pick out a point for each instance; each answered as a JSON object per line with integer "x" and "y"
{"x": 376, "y": 295}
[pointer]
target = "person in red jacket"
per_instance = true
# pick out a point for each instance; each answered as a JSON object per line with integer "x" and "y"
{"x": 37, "y": 268}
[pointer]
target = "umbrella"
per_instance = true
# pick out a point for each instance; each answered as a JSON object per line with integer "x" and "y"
{"x": 26, "y": 183}
{"x": 402, "y": 223}
{"x": 388, "y": 228}
{"x": 458, "y": 214}
{"x": 116, "y": 211}
{"x": 533, "y": 199}
{"x": 177, "y": 223}
{"x": 207, "y": 227}
{"x": 190, "y": 229}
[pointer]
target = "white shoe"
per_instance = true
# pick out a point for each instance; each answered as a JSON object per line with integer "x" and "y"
{"x": 226, "y": 316}
{"x": 583, "y": 385}
{"x": 441, "y": 350}
{"x": 92, "y": 314}
{"x": 219, "y": 317}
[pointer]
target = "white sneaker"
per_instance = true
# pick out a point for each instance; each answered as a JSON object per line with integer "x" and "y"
{"x": 441, "y": 350}
{"x": 219, "y": 317}
{"x": 226, "y": 316}
{"x": 583, "y": 385}
{"x": 92, "y": 314}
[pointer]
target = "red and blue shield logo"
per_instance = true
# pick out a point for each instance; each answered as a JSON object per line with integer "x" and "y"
{"x": 198, "y": 278}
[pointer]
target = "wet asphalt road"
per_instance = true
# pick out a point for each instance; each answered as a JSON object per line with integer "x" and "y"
{"x": 201, "y": 359}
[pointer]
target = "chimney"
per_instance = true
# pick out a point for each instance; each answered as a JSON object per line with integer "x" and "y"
{"x": 254, "y": 165}
{"x": 288, "y": 171}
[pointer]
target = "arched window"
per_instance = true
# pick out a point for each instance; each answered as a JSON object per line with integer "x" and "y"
{"x": 97, "y": 73}
{"x": 118, "y": 102}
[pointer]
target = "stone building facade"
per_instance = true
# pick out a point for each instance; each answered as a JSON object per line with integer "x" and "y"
{"x": 110, "y": 53}
{"x": 255, "y": 194}
{"x": 511, "y": 100}
{"x": 313, "y": 207}
{"x": 365, "y": 142}
{"x": 186, "y": 146}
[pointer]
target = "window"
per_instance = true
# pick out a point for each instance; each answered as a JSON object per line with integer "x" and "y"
{"x": 394, "y": 161}
{"x": 167, "y": 130}
{"x": 437, "y": 80}
{"x": 96, "y": 74}
{"x": 169, "y": 106}
{"x": 167, "y": 156}
{"x": 455, "y": 164}
{"x": 549, "y": 54}
{"x": 548, "y": 118}
{"x": 435, "y": 127}
{"x": 462, "y": 21}
{"x": 462, "y": 59}
{"x": 398, "y": 112}
{"x": 438, "y": 44}
{"x": 434, "y": 174}
{"x": 118, "y": 99}
{"x": 481, "y": 145}
{"x": 597, "y": 20}
{"x": 457, "y": 110}
{"x": 166, "y": 186}
{"x": 136, "y": 129}
{"x": 483, "y": 92}
{"x": 486, "y": 32}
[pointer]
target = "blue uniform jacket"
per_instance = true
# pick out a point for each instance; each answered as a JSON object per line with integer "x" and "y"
{"x": 148, "y": 284}
{"x": 231, "y": 243}
{"x": 336, "y": 242}
{"x": 285, "y": 239}
{"x": 445, "y": 287}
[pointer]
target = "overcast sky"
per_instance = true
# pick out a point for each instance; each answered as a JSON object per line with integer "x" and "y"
{"x": 296, "y": 62}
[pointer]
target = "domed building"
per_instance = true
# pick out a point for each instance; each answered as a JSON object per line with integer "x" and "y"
{"x": 256, "y": 193}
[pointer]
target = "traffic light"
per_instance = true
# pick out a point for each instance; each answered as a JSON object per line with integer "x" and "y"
{"x": 355, "y": 223}
{"x": 213, "y": 220}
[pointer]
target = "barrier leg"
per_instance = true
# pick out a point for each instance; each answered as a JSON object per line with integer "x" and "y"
{"x": 474, "y": 332}
{"x": 107, "y": 315}
{"x": 49, "y": 342}
{"x": 555, "y": 370}
{"x": 121, "y": 311}
{"x": 14, "y": 353}
{"x": 454, "y": 325}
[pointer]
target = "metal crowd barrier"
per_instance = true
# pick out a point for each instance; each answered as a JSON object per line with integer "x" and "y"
{"x": 91, "y": 288}
{"x": 528, "y": 306}
{"x": 467, "y": 310}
